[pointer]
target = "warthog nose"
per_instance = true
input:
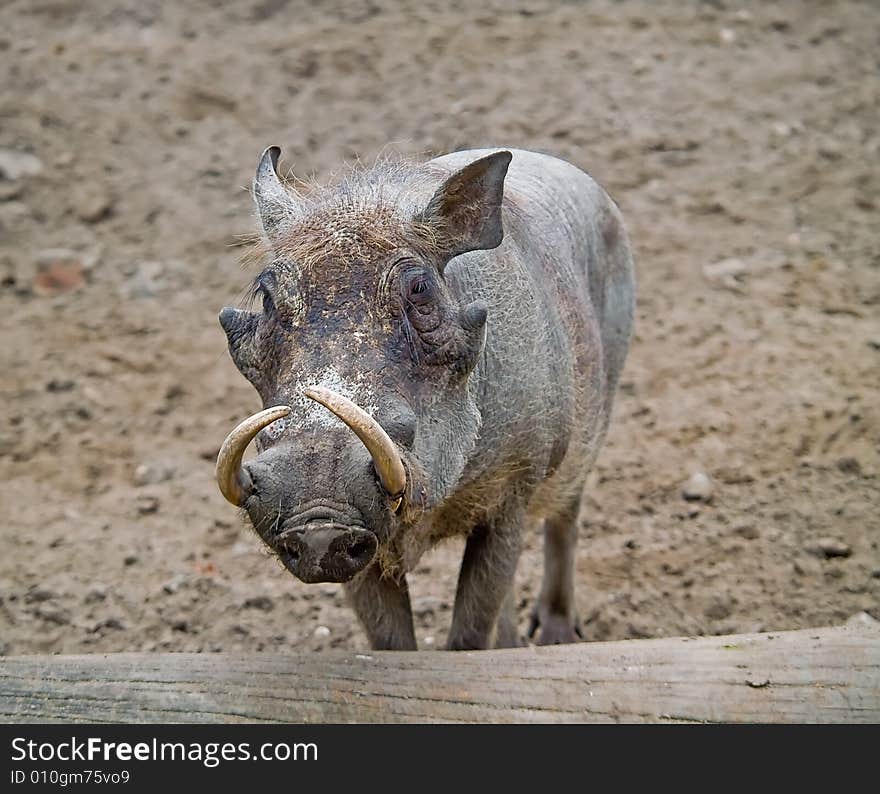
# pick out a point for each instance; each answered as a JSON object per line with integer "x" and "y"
{"x": 327, "y": 553}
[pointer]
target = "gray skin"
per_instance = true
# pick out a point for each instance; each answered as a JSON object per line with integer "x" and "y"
{"x": 480, "y": 308}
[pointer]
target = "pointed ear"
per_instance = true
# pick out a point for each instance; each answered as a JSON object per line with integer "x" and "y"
{"x": 276, "y": 204}
{"x": 465, "y": 212}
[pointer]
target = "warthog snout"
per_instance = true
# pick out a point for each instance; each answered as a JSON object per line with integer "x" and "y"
{"x": 327, "y": 553}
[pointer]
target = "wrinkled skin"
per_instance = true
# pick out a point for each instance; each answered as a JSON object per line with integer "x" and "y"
{"x": 479, "y": 308}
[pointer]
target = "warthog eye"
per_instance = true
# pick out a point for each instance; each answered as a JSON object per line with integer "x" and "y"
{"x": 268, "y": 298}
{"x": 268, "y": 303}
{"x": 418, "y": 289}
{"x": 263, "y": 287}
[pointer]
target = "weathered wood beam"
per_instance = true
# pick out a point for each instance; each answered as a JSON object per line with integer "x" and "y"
{"x": 815, "y": 675}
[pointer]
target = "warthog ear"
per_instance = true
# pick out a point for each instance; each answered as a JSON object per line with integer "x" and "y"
{"x": 276, "y": 204}
{"x": 465, "y": 212}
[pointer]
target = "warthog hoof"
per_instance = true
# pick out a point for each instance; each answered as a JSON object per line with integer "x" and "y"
{"x": 556, "y": 629}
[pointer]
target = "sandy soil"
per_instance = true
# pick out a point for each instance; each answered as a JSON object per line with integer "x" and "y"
{"x": 742, "y": 142}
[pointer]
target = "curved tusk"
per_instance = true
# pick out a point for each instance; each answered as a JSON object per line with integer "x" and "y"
{"x": 386, "y": 458}
{"x": 233, "y": 480}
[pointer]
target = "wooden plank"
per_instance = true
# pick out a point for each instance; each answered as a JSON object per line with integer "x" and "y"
{"x": 814, "y": 675}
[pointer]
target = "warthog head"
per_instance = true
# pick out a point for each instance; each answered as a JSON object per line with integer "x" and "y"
{"x": 361, "y": 356}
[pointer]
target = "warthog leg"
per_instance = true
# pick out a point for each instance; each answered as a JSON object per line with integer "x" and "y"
{"x": 383, "y": 608}
{"x": 555, "y": 610}
{"x": 486, "y": 577}
{"x": 506, "y": 633}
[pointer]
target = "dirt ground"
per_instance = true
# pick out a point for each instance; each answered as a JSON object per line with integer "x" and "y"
{"x": 742, "y": 142}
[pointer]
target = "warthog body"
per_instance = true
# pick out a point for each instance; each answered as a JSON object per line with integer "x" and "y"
{"x": 478, "y": 309}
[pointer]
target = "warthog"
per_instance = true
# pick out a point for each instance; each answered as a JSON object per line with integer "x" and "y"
{"x": 437, "y": 354}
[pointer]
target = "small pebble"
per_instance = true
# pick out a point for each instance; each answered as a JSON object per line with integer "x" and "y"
{"x": 151, "y": 473}
{"x": 862, "y": 619}
{"x": 427, "y": 607}
{"x": 93, "y": 205}
{"x": 322, "y": 632}
{"x": 698, "y": 488}
{"x": 828, "y": 547}
{"x": 58, "y": 271}
{"x": 97, "y": 592}
{"x": 174, "y": 584}
{"x": 747, "y": 531}
{"x": 263, "y": 603}
{"x": 781, "y": 129}
{"x": 37, "y": 594}
{"x": 849, "y": 465}
{"x": 726, "y": 272}
{"x": 146, "y": 504}
{"x": 60, "y": 385}
{"x": 719, "y": 610}
{"x": 640, "y": 66}
{"x": 53, "y": 614}
{"x": 15, "y": 165}
{"x": 10, "y": 190}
